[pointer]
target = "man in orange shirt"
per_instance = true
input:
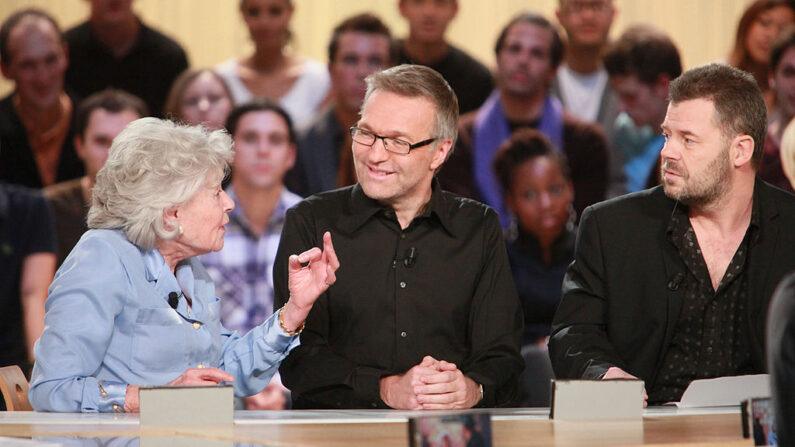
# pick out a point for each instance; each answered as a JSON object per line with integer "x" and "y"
{"x": 35, "y": 119}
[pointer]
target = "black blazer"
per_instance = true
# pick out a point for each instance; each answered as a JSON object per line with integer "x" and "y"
{"x": 618, "y": 308}
{"x": 781, "y": 358}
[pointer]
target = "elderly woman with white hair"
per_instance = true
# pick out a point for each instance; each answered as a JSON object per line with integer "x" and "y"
{"x": 131, "y": 305}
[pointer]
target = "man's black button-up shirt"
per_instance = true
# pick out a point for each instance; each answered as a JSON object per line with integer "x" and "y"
{"x": 454, "y": 299}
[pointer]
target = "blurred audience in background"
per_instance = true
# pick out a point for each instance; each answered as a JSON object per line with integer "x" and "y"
{"x": 27, "y": 266}
{"x": 243, "y": 270}
{"x": 782, "y": 84}
{"x": 758, "y": 27}
{"x": 98, "y": 120}
{"x": 360, "y": 45}
{"x": 426, "y": 45}
{"x": 528, "y": 52}
{"x": 199, "y": 96}
{"x": 115, "y": 48}
{"x": 538, "y": 190}
{"x": 641, "y": 63}
{"x": 581, "y": 83}
{"x": 299, "y": 84}
{"x": 36, "y": 118}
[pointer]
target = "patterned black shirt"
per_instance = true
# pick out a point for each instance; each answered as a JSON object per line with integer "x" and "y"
{"x": 711, "y": 338}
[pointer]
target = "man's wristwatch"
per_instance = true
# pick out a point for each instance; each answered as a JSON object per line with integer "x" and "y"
{"x": 480, "y": 388}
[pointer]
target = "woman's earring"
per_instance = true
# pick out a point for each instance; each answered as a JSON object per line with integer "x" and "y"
{"x": 572, "y": 218}
{"x": 179, "y": 228}
{"x": 512, "y": 232}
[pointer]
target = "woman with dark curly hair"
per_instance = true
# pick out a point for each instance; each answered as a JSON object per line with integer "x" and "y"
{"x": 539, "y": 193}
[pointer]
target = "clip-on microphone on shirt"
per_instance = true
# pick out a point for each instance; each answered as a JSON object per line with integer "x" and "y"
{"x": 173, "y": 300}
{"x": 411, "y": 257}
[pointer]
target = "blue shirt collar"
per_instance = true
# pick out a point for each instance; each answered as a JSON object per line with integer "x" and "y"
{"x": 277, "y": 216}
{"x": 158, "y": 272}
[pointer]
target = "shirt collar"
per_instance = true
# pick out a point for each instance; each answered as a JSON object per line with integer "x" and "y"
{"x": 155, "y": 265}
{"x": 165, "y": 281}
{"x": 362, "y": 208}
{"x": 277, "y": 216}
{"x": 679, "y": 219}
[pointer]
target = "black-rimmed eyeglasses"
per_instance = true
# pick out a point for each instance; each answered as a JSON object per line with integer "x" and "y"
{"x": 395, "y": 145}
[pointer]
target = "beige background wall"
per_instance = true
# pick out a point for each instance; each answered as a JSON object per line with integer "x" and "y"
{"x": 212, "y": 30}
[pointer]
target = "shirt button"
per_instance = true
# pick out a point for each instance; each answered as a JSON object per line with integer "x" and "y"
{"x": 402, "y": 284}
{"x": 196, "y": 325}
{"x": 200, "y": 365}
{"x": 403, "y": 236}
{"x": 404, "y": 334}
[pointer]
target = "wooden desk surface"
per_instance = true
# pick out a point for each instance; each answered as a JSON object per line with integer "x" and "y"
{"x": 520, "y": 427}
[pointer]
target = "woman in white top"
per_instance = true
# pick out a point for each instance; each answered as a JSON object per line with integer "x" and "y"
{"x": 299, "y": 84}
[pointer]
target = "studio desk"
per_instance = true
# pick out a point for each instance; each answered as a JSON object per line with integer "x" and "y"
{"x": 511, "y": 427}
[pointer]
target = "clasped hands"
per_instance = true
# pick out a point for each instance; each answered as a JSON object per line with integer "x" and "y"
{"x": 431, "y": 385}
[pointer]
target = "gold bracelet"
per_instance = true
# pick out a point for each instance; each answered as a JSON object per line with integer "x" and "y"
{"x": 284, "y": 328}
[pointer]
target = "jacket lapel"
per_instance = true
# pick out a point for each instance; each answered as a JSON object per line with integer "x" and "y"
{"x": 761, "y": 270}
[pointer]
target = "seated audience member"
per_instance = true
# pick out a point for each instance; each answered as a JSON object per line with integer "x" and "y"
{"x": 243, "y": 269}
{"x": 528, "y": 42}
{"x": 782, "y": 84}
{"x": 581, "y": 82}
{"x": 781, "y": 327}
{"x": 642, "y": 63}
{"x": 411, "y": 253}
{"x": 300, "y": 85}
{"x": 359, "y": 46}
{"x": 672, "y": 284}
{"x": 425, "y": 45}
{"x": 36, "y": 118}
{"x": 114, "y": 48}
{"x": 540, "y": 243}
{"x": 99, "y": 118}
{"x": 199, "y": 97}
{"x": 27, "y": 264}
{"x": 539, "y": 194}
{"x": 759, "y": 26}
{"x": 147, "y": 309}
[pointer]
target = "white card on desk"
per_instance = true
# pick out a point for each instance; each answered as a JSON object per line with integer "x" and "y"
{"x": 186, "y": 405}
{"x": 597, "y": 399}
{"x": 724, "y": 391}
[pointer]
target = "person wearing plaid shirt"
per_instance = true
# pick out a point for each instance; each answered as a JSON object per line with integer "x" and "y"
{"x": 243, "y": 269}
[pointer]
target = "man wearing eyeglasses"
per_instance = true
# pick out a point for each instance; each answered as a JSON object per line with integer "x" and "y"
{"x": 423, "y": 314}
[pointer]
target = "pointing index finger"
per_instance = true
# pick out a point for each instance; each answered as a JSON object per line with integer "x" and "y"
{"x": 328, "y": 251}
